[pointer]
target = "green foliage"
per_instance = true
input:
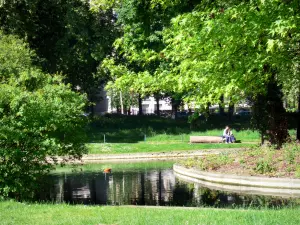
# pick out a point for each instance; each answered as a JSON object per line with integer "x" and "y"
{"x": 125, "y": 97}
{"x": 257, "y": 160}
{"x": 229, "y": 49}
{"x": 210, "y": 162}
{"x": 297, "y": 173}
{"x": 263, "y": 166}
{"x": 40, "y": 118}
{"x": 67, "y": 37}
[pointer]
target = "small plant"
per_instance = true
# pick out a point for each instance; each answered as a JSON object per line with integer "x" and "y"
{"x": 297, "y": 172}
{"x": 190, "y": 162}
{"x": 263, "y": 166}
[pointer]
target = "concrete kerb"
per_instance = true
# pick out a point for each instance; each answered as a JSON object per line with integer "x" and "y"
{"x": 284, "y": 187}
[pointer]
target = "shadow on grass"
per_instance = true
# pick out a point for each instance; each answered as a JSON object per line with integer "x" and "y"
{"x": 133, "y": 129}
{"x": 114, "y": 128}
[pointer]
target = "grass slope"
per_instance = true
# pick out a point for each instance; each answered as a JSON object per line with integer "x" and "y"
{"x": 47, "y": 214}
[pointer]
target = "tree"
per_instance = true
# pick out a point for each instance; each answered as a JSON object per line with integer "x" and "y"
{"x": 139, "y": 48}
{"x": 236, "y": 51}
{"x": 223, "y": 48}
{"x": 66, "y": 35}
{"x": 40, "y": 119}
{"x": 128, "y": 100}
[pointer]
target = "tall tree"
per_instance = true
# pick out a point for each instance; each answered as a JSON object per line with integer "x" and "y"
{"x": 67, "y": 36}
{"x": 139, "y": 48}
{"x": 230, "y": 48}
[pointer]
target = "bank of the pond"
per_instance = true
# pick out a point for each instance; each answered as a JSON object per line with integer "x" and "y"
{"x": 90, "y": 158}
{"x": 263, "y": 161}
{"x": 158, "y": 147}
{"x": 115, "y": 166}
{"x": 282, "y": 187}
{"x": 26, "y": 213}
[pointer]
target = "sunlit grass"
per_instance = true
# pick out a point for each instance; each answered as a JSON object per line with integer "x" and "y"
{"x": 146, "y": 147}
{"x": 244, "y": 136}
{"x": 47, "y": 214}
{"x": 116, "y": 166}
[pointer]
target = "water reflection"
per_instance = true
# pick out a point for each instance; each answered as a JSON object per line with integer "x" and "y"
{"x": 144, "y": 187}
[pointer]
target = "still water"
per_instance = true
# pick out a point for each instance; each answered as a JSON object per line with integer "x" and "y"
{"x": 141, "y": 184}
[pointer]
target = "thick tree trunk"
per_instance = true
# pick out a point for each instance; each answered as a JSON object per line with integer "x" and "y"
{"x": 278, "y": 126}
{"x": 140, "y": 105}
{"x": 268, "y": 115}
{"x": 298, "y": 118}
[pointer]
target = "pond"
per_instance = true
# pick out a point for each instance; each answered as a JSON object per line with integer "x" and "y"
{"x": 146, "y": 183}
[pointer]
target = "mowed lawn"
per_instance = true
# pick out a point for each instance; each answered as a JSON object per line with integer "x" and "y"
{"x": 123, "y": 148}
{"x": 165, "y": 142}
{"x": 47, "y": 214}
{"x": 117, "y": 134}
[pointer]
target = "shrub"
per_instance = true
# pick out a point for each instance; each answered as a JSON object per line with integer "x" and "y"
{"x": 40, "y": 119}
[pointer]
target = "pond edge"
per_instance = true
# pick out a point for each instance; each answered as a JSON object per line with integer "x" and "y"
{"x": 284, "y": 187}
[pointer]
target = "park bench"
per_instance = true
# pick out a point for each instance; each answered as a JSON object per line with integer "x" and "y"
{"x": 206, "y": 139}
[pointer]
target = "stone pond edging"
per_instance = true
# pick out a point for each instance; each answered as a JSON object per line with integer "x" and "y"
{"x": 284, "y": 187}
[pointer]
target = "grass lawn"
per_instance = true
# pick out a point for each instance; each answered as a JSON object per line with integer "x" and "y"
{"x": 142, "y": 134}
{"x": 120, "y": 148}
{"x": 25, "y": 213}
{"x": 136, "y": 134}
{"x": 116, "y": 166}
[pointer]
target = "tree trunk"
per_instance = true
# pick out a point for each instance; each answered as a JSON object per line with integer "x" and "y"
{"x": 157, "y": 105}
{"x": 221, "y": 105}
{"x": 230, "y": 111}
{"x": 92, "y": 110}
{"x": 121, "y": 103}
{"x": 298, "y": 118}
{"x": 140, "y": 105}
{"x": 174, "y": 110}
{"x": 262, "y": 139}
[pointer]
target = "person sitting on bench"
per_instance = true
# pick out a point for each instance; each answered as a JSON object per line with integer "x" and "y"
{"x": 228, "y": 136}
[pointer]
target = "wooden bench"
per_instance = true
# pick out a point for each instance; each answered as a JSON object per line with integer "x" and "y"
{"x": 205, "y": 139}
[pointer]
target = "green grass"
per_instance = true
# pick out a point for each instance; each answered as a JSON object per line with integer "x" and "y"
{"x": 115, "y": 166}
{"x": 137, "y": 135}
{"x": 142, "y": 134}
{"x": 148, "y": 147}
{"x": 25, "y": 213}
{"x": 132, "y": 129}
{"x": 244, "y": 135}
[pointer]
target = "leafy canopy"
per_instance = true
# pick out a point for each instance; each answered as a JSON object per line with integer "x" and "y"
{"x": 231, "y": 48}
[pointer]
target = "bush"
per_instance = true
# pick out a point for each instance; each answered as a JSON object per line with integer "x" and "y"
{"x": 40, "y": 119}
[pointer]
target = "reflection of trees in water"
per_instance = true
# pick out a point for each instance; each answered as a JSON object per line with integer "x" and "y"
{"x": 208, "y": 197}
{"x": 151, "y": 187}
{"x": 147, "y": 187}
